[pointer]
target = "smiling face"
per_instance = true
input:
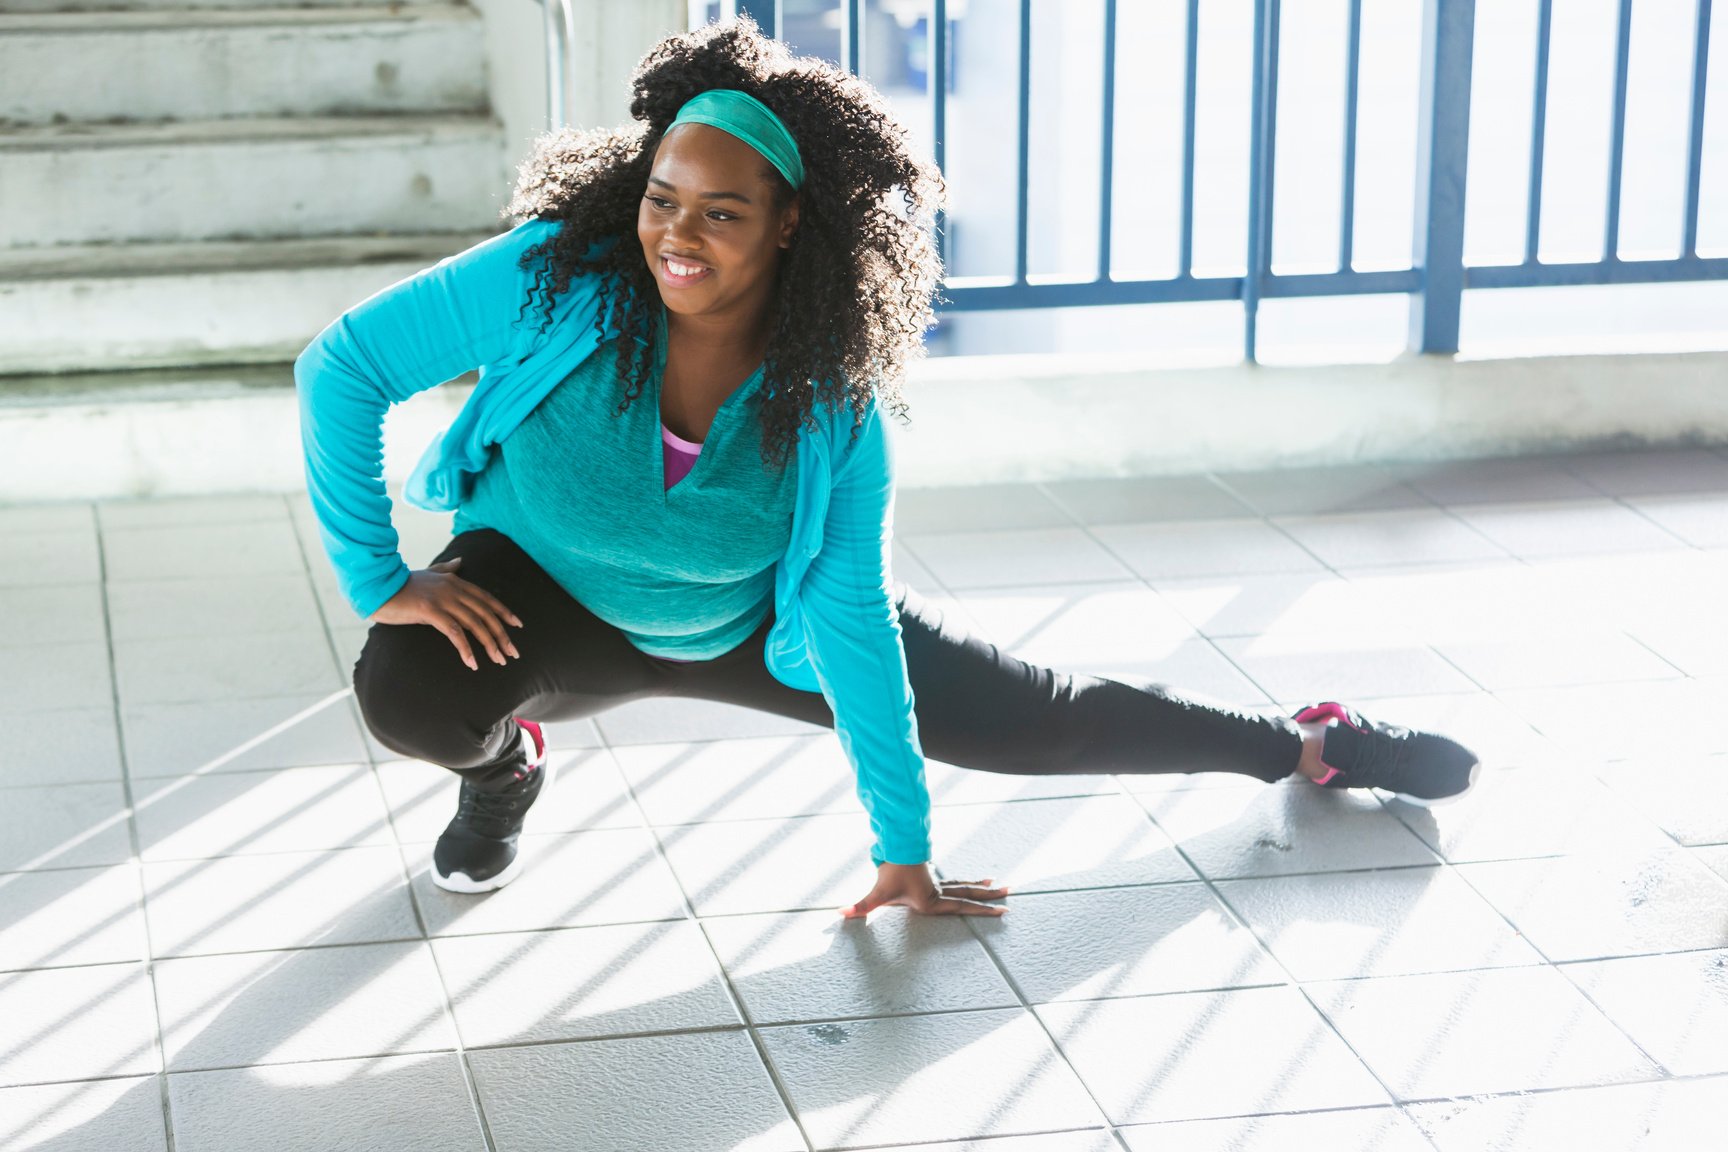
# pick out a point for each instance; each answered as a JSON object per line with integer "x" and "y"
{"x": 709, "y": 227}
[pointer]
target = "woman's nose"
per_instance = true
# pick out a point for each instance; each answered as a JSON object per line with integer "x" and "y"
{"x": 682, "y": 228}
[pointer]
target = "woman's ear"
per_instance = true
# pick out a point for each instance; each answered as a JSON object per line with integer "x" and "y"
{"x": 789, "y": 223}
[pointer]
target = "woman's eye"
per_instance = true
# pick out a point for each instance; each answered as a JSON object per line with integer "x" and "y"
{"x": 721, "y": 216}
{"x": 658, "y": 202}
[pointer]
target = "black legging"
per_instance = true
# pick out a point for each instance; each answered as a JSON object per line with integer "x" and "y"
{"x": 977, "y": 706}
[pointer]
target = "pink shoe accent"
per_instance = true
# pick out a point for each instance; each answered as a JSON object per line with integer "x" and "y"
{"x": 1330, "y": 772}
{"x": 539, "y": 739}
{"x": 1330, "y": 710}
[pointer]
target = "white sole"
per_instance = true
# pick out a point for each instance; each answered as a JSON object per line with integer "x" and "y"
{"x": 459, "y": 881}
{"x": 1475, "y": 771}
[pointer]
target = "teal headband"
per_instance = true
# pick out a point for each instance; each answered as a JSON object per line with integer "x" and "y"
{"x": 752, "y": 121}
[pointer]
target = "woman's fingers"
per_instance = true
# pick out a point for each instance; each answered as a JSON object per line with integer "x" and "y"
{"x": 453, "y": 633}
{"x": 493, "y": 621}
{"x": 952, "y": 907}
{"x": 479, "y": 625}
{"x": 492, "y": 602}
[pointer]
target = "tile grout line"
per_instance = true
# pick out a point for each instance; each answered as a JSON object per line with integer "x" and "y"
{"x": 1292, "y": 982}
{"x": 161, "y": 1043}
{"x": 469, "y": 1081}
{"x": 732, "y": 994}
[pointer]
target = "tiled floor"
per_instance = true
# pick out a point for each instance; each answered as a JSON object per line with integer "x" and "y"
{"x": 216, "y": 933}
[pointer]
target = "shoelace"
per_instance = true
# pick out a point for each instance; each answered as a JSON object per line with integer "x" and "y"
{"x": 493, "y": 813}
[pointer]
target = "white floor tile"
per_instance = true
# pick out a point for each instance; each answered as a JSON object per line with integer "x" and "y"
{"x": 1514, "y": 479}
{"x": 282, "y": 900}
{"x": 313, "y": 1004}
{"x": 1405, "y": 536}
{"x": 419, "y": 1102}
{"x": 1303, "y": 491}
{"x": 1124, "y": 942}
{"x": 1541, "y": 810}
{"x": 1079, "y": 626}
{"x": 241, "y": 735}
{"x": 585, "y": 793}
{"x": 63, "y": 826}
{"x": 175, "y": 511}
{"x": 1196, "y": 1055}
{"x": 1316, "y": 668}
{"x": 671, "y": 721}
{"x": 1630, "y": 720}
{"x": 976, "y": 508}
{"x": 817, "y": 966}
{"x": 1582, "y": 658}
{"x": 1675, "y": 1007}
{"x": 51, "y": 614}
{"x": 245, "y": 813}
{"x": 1096, "y": 1140}
{"x": 1009, "y": 559}
{"x": 201, "y": 551}
{"x": 1147, "y": 499}
{"x": 926, "y": 1078}
{"x": 1682, "y": 1116}
{"x": 59, "y": 557}
{"x": 77, "y": 1024}
{"x": 572, "y": 880}
{"x": 1392, "y": 923}
{"x": 1663, "y": 470}
{"x": 87, "y": 1116}
{"x": 1358, "y": 1130}
{"x": 1205, "y": 548}
{"x": 772, "y": 865}
{"x": 1051, "y": 845}
{"x": 1566, "y": 528}
{"x": 1608, "y": 904}
{"x": 583, "y": 983}
{"x": 743, "y": 779}
{"x": 1311, "y": 603}
{"x": 949, "y": 785}
{"x": 1688, "y": 799}
{"x": 1283, "y": 828}
{"x": 213, "y": 608}
{"x": 69, "y": 917}
{"x": 46, "y": 677}
{"x": 1448, "y": 1035}
{"x": 59, "y": 516}
{"x": 618, "y": 1095}
{"x": 74, "y": 746}
{"x": 1701, "y": 521}
{"x": 202, "y": 669}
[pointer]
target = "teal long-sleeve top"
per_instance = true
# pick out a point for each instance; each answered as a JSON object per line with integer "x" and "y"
{"x": 836, "y": 630}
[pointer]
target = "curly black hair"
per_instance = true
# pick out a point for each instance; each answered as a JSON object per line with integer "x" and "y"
{"x": 854, "y": 291}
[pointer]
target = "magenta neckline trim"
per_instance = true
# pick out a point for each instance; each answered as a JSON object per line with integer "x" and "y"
{"x": 693, "y": 447}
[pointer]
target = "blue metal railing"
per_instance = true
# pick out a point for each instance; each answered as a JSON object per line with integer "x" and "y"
{"x": 1439, "y": 275}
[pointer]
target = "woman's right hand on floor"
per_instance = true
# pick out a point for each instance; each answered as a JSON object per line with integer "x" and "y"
{"x": 442, "y": 599}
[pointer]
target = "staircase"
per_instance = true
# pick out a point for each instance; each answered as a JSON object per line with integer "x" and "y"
{"x": 191, "y": 189}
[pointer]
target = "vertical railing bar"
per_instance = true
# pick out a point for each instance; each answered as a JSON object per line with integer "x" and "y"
{"x": 1695, "y": 146}
{"x": 1024, "y": 143}
{"x": 1538, "y": 132}
{"x": 1107, "y": 175}
{"x": 1442, "y": 173}
{"x": 1617, "y": 138}
{"x": 1264, "y": 131}
{"x": 1185, "y": 260}
{"x": 938, "y": 73}
{"x": 1353, "y": 72}
{"x": 854, "y": 42}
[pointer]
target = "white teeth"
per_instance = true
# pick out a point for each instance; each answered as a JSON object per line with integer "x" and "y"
{"x": 678, "y": 269}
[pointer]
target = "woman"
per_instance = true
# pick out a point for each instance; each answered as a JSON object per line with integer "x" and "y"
{"x": 674, "y": 478}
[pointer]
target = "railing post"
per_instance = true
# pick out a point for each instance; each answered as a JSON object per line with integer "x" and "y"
{"x": 1442, "y": 151}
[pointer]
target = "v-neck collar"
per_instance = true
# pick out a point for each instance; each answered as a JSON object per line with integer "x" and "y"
{"x": 656, "y": 377}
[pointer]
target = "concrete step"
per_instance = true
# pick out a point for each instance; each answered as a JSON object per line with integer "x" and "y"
{"x": 178, "y": 432}
{"x": 195, "y": 64}
{"x": 249, "y": 179}
{"x": 104, "y": 307}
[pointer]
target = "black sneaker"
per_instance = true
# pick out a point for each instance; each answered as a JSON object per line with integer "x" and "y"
{"x": 1417, "y": 767}
{"x": 477, "y": 852}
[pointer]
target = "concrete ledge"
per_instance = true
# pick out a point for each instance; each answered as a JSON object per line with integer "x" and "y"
{"x": 975, "y": 420}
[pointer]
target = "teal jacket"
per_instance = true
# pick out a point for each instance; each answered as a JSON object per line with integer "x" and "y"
{"x": 835, "y": 631}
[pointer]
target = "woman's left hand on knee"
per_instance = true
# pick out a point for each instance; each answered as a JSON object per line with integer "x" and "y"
{"x": 915, "y": 886}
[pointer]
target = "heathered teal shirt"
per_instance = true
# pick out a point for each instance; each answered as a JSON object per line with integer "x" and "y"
{"x": 685, "y": 572}
{"x": 835, "y": 627}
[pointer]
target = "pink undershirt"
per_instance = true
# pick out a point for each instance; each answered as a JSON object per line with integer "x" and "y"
{"x": 679, "y": 454}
